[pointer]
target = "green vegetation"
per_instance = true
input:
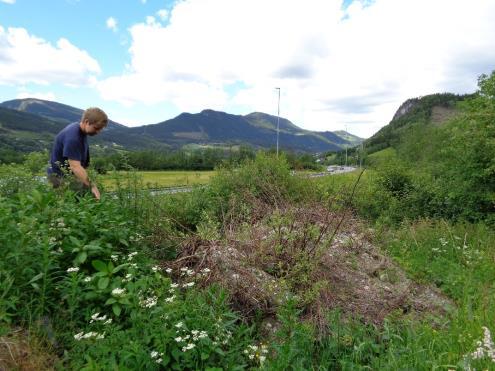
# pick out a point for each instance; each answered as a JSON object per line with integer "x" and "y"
{"x": 262, "y": 269}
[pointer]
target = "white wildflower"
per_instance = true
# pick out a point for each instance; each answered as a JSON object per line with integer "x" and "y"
{"x": 168, "y": 270}
{"x": 118, "y": 292}
{"x": 131, "y": 255}
{"x": 154, "y": 354}
{"x": 178, "y": 339}
{"x": 79, "y": 336}
{"x": 179, "y": 325}
{"x": 114, "y": 257}
{"x": 88, "y": 279}
{"x": 174, "y": 285}
{"x": 188, "y": 347}
{"x": 170, "y": 299}
{"x": 189, "y": 284}
{"x": 155, "y": 268}
{"x": 149, "y": 302}
{"x": 89, "y": 335}
{"x": 94, "y": 316}
{"x": 159, "y": 360}
{"x": 73, "y": 269}
{"x": 486, "y": 348}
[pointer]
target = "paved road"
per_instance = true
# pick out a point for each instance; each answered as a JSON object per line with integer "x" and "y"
{"x": 332, "y": 170}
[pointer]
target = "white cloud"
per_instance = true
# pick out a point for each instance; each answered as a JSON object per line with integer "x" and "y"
{"x": 45, "y": 96}
{"x": 336, "y": 68}
{"x": 112, "y": 24}
{"x": 25, "y": 58}
{"x": 8, "y": 1}
{"x": 163, "y": 14}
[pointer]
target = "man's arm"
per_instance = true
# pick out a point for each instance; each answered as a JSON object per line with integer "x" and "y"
{"x": 82, "y": 175}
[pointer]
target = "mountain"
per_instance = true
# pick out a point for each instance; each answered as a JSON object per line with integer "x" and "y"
{"x": 114, "y": 135}
{"x": 430, "y": 109}
{"x": 207, "y": 127}
{"x": 354, "y": 140}
{"x": 257, "y": 129}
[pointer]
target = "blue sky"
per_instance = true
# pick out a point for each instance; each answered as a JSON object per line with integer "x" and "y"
{"x": 340, "y": 64}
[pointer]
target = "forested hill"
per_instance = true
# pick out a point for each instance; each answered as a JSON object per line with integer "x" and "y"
{"x": 430, "y": 109}
{"x": 205, "y": 128}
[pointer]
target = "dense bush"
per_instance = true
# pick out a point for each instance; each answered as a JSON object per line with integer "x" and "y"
{"x": 82, "y": 274}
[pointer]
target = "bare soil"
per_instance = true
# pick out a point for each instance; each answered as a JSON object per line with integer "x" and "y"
{"x": 19, "y": 351}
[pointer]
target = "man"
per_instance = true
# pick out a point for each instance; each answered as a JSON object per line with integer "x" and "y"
{"x": 71, "y": 150}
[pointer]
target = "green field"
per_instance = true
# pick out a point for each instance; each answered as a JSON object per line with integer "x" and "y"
{"x": 160, "y": 179}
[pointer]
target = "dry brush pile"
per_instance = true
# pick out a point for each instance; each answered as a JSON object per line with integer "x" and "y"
{"x": 313, "y": 252}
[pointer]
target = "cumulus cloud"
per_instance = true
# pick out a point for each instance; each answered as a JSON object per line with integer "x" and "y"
{"x": 25, "y": 58}
{"x": 163, "y": 14}
{"x": 8, "y": 1}
{"x": 335, "y": 66}
{"x": 112, "y": 24}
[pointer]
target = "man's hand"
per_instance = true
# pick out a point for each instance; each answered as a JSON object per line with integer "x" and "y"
{"x": 95, "y": 192}
{"x": 82, "y": 176}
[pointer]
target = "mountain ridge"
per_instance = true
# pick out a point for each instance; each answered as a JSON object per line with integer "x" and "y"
{"x": 425, "y": 110}
{"x": 207, "y": 127}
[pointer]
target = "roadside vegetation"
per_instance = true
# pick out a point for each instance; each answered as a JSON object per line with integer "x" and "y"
{"x": 387, "y": 269}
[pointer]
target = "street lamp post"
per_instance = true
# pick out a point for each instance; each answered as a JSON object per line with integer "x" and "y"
{"x": 278, "y": 116}
{"x": 346, "y": 147}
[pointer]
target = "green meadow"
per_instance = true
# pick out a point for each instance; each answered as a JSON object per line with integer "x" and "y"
{"x": 161, "y": 179}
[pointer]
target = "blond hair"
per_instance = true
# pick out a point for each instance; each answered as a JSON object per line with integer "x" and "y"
{"x": 96, "y": 117}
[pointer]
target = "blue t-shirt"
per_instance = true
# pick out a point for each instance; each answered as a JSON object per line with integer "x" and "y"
{"x": 70, "y": 144}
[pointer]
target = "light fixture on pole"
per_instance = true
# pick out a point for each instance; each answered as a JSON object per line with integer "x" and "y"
{"x": 278, "y": 116}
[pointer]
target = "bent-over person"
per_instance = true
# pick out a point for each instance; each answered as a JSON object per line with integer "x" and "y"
{"x": 70, "y": 153}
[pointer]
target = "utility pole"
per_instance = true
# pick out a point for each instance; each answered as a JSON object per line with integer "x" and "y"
{"x": 346, "y": 148}
{"x": 361, "y": 157}
{"x": 278, "y": 116}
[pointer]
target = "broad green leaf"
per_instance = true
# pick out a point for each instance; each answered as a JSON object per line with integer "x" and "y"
{"x": 75, "y": 241}
{"x": 119, "y": 267}
{"x": 124, "y": 301}
{"x": 81, "y": 258}
{"x": 99, "y": 265}
{"x": 103, "y": 283}
{"x": 111, "y": 267}
{"x": 116, "y": 309}
{"x": 110, "y": 301}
